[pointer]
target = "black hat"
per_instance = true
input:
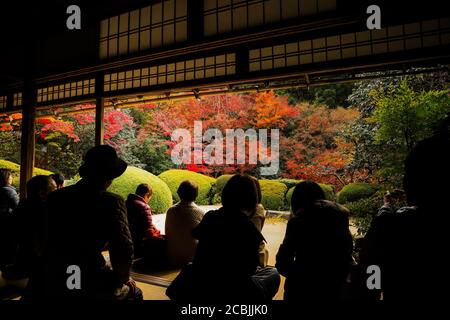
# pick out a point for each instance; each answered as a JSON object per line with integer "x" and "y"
{"x": 102, "y": 162}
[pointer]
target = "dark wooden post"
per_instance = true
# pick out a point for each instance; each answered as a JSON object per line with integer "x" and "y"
{"x": 99, "y": 120}
{"x": 28, "y": 139}
{"x": 99, "y": 110}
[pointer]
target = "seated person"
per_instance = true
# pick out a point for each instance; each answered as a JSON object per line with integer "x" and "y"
{"x": 392, "y": 202}
{"x": 8, "y": 204}
{"x": 181, "y": 219}
{"x": 82, "y": 220}
{"x": 30, "y": 227}
{"x": 316, "y": 253}
{"x": 409, "y": 245}
{"x": 59, "y": 180}
{"x": 226, "y": 262}
{"x": 147, "y": 239}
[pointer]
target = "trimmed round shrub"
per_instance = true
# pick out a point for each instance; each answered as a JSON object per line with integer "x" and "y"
{"x": 15, "y": 169}
{"x": 356, "y": 191}
{"x": 327, "y": 189}
{"x": 174, "y": 177}
{"x": 273, "y": 194}
{"x": 132, "y": 177}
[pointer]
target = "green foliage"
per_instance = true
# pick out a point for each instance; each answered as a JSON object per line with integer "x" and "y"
{"x": 366, "y": 206}
{"x": 127, "y": 183}
{"x": 15, "y": 168}
{"x": 411, "y": 105}
{"x": 174, "y": 177}
{"x": 153, "y": 155}
{"x": 273, "y": 194}
{"x": 405, "y": 117}
{"x": 217, "y": 199}
{"x": 333, "y": 95}
{"x": 356, "y": 191}
{"x": 10, "y": 145}
{"x": 362, "y": 224}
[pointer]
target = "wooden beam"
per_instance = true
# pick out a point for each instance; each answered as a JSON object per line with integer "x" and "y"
{"x": 99, "y": 120}
{"x": 28, "y": 140}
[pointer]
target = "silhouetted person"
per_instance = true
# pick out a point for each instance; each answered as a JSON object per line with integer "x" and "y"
{"x": 30, "y": 227}
{"x": 82, "y": 220}
{"x": 410, "y": 245}
{"x": 258, "y": 217}
{"x": 147, "y": 239}
{"x": 8, "y": 203}
{"x": 392, "y": 202}
{"x": 315, "y": 256}
{"x": 181, "y": 219}
{"x": 59, "y": 180}
{"x": 226, "y": 263}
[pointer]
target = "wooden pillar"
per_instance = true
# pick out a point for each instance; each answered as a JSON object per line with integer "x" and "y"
{"x": 28, "y": 139}
{"x": 99, "y": 120}
{"x": 99, "y": 110}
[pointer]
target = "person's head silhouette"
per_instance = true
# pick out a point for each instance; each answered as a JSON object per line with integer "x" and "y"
{"x": 102, "y": 165}
{"x": 39, "y": 187}
{"x": 187, "y": 191}
{"x": 240, "y": 193}
{"x": 59, "y": 179}
{"x": 305, "y": 193}
{"x": 145, "y": 191}
{"x": 5, "y": 177}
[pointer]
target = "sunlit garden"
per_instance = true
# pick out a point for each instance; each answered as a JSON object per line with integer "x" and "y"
{"x": 351, "y": 138}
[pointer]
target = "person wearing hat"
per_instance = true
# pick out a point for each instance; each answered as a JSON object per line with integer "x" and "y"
{"x": 84, "y": 219}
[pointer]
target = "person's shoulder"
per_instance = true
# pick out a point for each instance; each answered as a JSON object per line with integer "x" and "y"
{"x": 113, "y": 197}
{"x": 333, "y": 206}
{"x": 407, "y": 211}
{"x": 193, "y": 207}
{"x": 214, "y": 217}
{"x": 214, "y": 214}
{"x": 9, "y": 190}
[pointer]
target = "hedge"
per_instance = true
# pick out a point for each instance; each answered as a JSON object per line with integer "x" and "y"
{"x": 356, "y": 191}
{"x": 174, "y": 177}
{"x": 15, "y": 168}
{"x": 273, "y": 194}
{"x": 127, "y": 183}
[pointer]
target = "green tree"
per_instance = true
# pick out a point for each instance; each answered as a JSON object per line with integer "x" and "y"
{"x": 404, "y": 117}
{"x": 370, "y": 154}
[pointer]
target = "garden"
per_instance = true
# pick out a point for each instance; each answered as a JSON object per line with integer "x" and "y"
{"x": 350, "y": 138}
